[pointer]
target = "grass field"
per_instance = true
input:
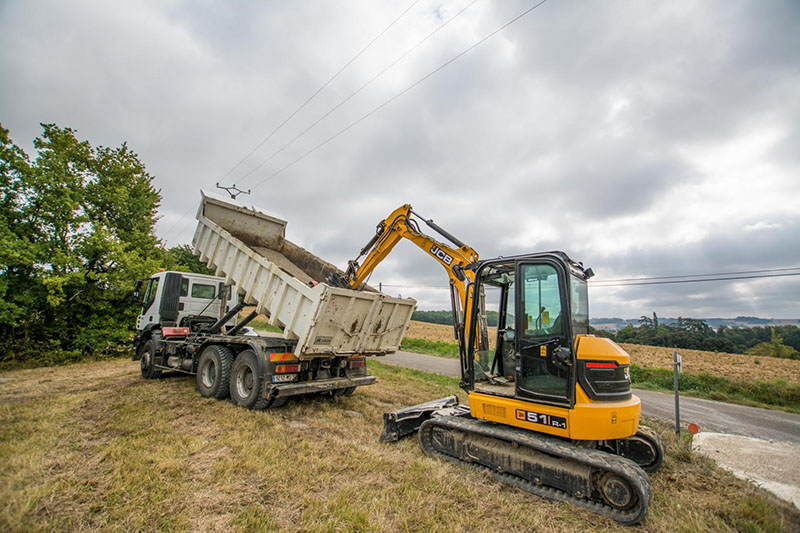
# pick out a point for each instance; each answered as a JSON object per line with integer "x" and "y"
{"x": 92, "y": 446}
{"x": 744, "y": 379}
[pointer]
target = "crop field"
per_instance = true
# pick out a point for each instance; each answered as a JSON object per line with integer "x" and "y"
{"x": 93, "y": 446}
{"x": 729, "y": 365}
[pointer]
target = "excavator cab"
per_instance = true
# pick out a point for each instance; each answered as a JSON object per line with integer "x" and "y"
{"x": 531, "y": 354}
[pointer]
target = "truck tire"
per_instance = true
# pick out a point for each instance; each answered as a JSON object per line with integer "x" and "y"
{"x": 343, "y": 392}
{"x": 146, "y": 361}
{"x": 246, "y": 388}
{"x": 214, "y": 372}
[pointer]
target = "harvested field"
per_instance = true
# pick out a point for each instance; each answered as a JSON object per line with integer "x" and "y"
{"x": 729, "y": 365}
{"x": 439, "y": 332}
{"x": 94, "y": 447}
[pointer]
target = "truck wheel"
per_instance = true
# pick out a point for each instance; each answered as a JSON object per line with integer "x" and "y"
{"x": 348, "y": 391}
{"x": 214, "y": 372}
{"x": 246, "y": 387}
{"x": 146, "y": 361}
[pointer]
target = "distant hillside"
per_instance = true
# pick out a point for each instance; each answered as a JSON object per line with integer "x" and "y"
{"x": 616, "y": 324}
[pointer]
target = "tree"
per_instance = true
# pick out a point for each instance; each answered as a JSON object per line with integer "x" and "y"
{"x": 76, "y": 230}
{"x": 774, "y": 348}
{"x": 181, "y": 258}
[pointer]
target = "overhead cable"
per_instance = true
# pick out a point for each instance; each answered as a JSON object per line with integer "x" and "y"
{"x": 697, "y": 275}
{"x": 321, "y": 88}
{"x": 354, "y": 93}
{"x": 169, "y": 231}
{"x": 398, "y": 95}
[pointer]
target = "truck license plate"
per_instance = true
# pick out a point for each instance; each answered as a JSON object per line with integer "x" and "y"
{"x": 283, "y": 378}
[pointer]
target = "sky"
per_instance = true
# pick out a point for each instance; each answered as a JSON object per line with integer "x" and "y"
{"x": 642, "y": 138}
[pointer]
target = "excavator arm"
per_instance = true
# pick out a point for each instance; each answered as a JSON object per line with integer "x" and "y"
{"x": 400, "y": 224}
{"x": 455, "y": 258}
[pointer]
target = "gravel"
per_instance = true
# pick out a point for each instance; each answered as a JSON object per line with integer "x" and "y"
{"x": 774, "y": 466}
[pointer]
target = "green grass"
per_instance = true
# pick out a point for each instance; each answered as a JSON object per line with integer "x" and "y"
{"x": 440, "y": 348}
{"x": 772, "y": 394}
{"x": 261, "y": 324}
{"x": 93, "y": 446}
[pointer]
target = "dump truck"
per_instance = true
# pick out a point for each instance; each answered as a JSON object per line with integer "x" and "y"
{"x": 189, "y": 323}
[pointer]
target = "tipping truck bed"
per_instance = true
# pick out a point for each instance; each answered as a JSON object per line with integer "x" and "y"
{"x": 287, "y": 283}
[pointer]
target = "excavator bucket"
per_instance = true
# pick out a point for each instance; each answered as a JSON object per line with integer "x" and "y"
{"x": 402, "y": 422}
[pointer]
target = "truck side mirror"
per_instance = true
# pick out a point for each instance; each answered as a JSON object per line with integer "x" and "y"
{"x": 137, "y": 291}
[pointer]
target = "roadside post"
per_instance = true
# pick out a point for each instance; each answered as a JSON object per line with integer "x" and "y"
{"x": 677, "y": 367}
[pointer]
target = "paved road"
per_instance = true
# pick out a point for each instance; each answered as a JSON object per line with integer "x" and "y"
{"x": 709, "y": 415}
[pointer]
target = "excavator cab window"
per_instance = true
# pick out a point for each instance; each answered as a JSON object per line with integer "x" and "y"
{"x": 543, "y": 323}
{"x": 494, "y": 363}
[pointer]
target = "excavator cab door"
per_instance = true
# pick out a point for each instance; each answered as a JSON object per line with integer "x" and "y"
{"x": 545, "y": 356}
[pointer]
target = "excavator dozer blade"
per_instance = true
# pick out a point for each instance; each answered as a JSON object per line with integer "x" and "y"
{"x": 406, "y": 421}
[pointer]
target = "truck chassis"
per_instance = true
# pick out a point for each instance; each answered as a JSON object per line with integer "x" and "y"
{"x": 257, "y": 372}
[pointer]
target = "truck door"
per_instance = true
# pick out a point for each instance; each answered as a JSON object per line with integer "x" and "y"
{"x": 197, "y": 296}
{"x": 150, "y": 303}
{"x": 546, "y": 366}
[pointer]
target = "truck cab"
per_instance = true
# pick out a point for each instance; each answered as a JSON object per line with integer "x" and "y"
{"x": 182, "y": 299}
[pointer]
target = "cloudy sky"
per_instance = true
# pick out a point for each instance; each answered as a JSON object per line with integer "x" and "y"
{"x": 643, "y": 138}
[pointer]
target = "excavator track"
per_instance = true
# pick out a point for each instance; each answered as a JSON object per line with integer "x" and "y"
{"x": 548, "y": 467}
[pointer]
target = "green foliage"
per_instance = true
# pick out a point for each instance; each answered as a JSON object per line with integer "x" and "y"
{"x": 182, "y": 259}
{"x": 446, "y": 317}
{"x": 774, "y": 393}
{"x": 76, "y": 231}
{"x": 774, "y": 348}
{"x": 445, "y": 349}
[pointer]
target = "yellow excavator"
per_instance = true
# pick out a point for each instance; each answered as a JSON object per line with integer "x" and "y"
{"x": 550, "y": 405}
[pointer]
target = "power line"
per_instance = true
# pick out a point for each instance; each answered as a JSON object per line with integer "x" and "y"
{"x": 643, "y": 283}
{"x": 169, "y": 231}
{"x": 354, "y": 93}
{"x": 416, "y": 286}
{"x": 697, "y": 280}
{"x": 401, "y": 93}
{"x": 304, "y": 104}
{"x": 696, "y": 275}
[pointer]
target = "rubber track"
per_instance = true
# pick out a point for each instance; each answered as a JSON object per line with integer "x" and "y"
{"x": 598, "y": 460}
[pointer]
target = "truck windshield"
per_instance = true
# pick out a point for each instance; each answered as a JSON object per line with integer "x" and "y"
{"x": 579, "y": 300}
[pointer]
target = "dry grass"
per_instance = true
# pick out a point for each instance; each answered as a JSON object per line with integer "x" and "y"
{"x": 94, "y": 447}
{"x": 728, "y": 365}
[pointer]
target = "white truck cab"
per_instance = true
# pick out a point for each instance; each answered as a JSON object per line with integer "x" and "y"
{"x": 182, "y": 299}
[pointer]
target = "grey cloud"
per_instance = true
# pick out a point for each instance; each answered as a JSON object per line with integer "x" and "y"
{"x": 577, "y": 115}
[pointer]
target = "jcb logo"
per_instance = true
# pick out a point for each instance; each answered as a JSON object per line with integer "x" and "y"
{"x": 440, "y": 254}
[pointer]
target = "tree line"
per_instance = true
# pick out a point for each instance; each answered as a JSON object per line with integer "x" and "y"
{"x": 76, "y": 230}
{"x": 696, "y": 334}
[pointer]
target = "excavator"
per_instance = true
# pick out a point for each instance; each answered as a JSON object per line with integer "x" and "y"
{"x": 550, "y": 405}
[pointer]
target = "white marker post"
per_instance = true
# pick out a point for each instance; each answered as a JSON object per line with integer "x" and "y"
{"x": 677, "y": 367}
